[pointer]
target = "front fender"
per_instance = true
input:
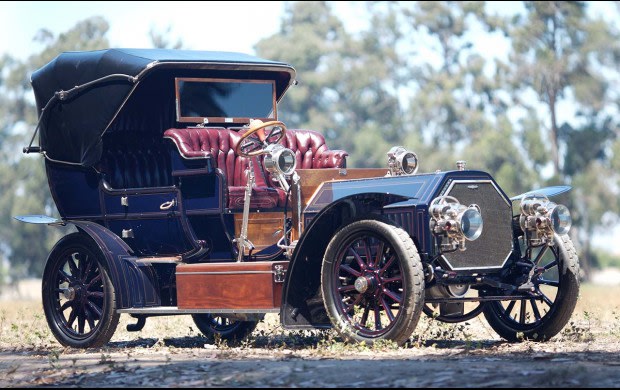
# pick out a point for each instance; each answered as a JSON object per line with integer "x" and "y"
{"x": 135, "y": 284}
{"x": 547, "y": 191}
{"x": 302, "y": 303}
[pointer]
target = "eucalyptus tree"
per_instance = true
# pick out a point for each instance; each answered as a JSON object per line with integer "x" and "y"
{"x": 565, "y": 58}
{"x": 346, "y": 87}
{"x": 22, "y": 178}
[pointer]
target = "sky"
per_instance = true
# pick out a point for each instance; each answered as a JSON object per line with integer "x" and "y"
{"x": 213, "y": 25}
{"x": 222, "y": 26}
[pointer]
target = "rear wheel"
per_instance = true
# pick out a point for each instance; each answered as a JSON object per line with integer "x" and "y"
{"x": 556, "y": 282}
{"x": 78, "y": 296}
{"x": 214, "y": 327}
{"x": 372, "y": 283}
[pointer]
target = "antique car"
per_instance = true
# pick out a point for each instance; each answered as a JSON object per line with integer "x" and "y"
{"x": 190, "y": 197}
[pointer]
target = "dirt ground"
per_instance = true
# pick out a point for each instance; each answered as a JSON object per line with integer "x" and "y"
{"x": 169, "y": 352}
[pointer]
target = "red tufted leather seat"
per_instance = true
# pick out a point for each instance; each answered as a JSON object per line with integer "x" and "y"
{"x": 311, "y": 151}
{"x": 219, "y": 144}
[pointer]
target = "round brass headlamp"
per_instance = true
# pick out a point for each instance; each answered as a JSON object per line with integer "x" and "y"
{"x": 402, "y": 161}
{"x": 279, "y": 159}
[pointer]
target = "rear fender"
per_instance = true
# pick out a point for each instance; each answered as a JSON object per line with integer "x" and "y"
{"x": 302, "y": 303}
{"x": 135, "y": 284}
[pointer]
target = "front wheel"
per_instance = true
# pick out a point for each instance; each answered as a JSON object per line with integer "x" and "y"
{"x": 78, "y": 296}
{"x": 372, "y": 283}
{"x": 556, "y": 285}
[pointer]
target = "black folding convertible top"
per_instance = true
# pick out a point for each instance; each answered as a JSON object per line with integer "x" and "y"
{"x": 75, "y": 119}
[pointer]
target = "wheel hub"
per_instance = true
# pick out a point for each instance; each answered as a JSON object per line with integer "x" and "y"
{"x": 69, "y": 293}
{"x": 365, "y": 283}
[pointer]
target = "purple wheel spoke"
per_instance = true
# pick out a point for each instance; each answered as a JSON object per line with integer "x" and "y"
{"x": 369, "y": 260}
{"x": 90, "y": 319}
{"x": 359, "y": 260}
{"x": 340, "y": 289}
{"x": 94, "y": 294}
{"x": 65, "y": 276}
{"x": 380, "y": 250}
{"x": 387, "y": 309}
{"x": 81, "y": 321}
{"x": 87, "y": 270}
{"x": 66, "y": 305}
{"x": 551, "y": 265}
{"x": 545, "y": 298}
{"x": 356, "y": 302}
{"x": 73, "y": 267}
{"x": 511, "y": 306}
{"x": 72, "y": 317}
{"x": 394, "y": 296}
{"x": 365, "y": 316}
{"x": 387, "y": 265}
{"x": 378, "y": 318}
{"x": 522, "y": 312}
{"x": 96, "y": 310}
{"x": 82, "y": 267}
{"x": 350, "y": 270}
{"x": 540, "y": 255}
{"x": 92, "y": 282}
{"x": 549, "y": 282}
{"x": 535, "y": 309}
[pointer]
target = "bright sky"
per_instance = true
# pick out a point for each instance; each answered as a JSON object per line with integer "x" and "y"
{"x": 213, "y": 25}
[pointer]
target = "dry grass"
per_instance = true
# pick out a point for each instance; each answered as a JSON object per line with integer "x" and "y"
{"x": 23, "y": 327}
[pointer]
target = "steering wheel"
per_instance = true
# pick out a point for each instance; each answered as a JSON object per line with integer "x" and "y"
{"x": 254, "y": 142}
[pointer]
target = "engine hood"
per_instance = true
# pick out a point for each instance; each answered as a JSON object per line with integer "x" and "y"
{"x": 398, "y": 191}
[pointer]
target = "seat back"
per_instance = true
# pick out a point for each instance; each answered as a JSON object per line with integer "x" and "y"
{"x": 136, "y": 162}
{"x": 219, "y": 144}
{"x": 307, "y": 145}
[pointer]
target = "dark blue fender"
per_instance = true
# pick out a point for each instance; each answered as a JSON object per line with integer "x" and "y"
{"x": 135, "y": 284}
{"x": 302, "y": 305}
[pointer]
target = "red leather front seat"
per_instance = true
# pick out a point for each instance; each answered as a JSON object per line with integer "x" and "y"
{"x": 219, "y": 144}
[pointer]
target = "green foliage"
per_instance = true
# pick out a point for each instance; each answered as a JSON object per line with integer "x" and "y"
{"x": 344, "y": 81}
{"x": 23, "y": 179}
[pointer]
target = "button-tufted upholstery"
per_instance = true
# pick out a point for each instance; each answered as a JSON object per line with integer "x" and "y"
{"x": 219, "y": 144}
{"x": 137, "y": 162}
{"x": 312, "y": 152}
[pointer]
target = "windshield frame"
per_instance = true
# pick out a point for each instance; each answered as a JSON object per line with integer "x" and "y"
{"x": 272, "y": 116}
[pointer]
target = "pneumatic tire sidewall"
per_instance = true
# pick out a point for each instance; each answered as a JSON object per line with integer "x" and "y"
{"x": 105, "y": 328}
{"x": 412, "y": 278}
{"x": 558, "y": 315}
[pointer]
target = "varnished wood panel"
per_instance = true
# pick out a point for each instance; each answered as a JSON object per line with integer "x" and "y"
{"x": 261, "y": 228}
{"x": 229, "y": 286}
{"x": 311, "y": 179}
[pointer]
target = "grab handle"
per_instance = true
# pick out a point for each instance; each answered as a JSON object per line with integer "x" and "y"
{"x": 168, "y": 205}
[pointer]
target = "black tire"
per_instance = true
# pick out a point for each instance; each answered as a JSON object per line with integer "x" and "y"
{"x": 76, "y": 278}
{"x": 561, "y": 276}
{"x": 215, "y": 327}
{"x": 392, "y": 271}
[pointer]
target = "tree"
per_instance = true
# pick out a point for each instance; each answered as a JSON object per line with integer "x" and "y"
{"x": 561, "y": 54}
{"x": 455, "y": 97}
{"x": 23, "y": 177}
{"x": 558, "y": 49}
{"x": 346, "y": 89}
{"x": 159, "y": 40}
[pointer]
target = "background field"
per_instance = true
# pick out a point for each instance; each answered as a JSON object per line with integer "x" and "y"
{"x": 170, "y": 352}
